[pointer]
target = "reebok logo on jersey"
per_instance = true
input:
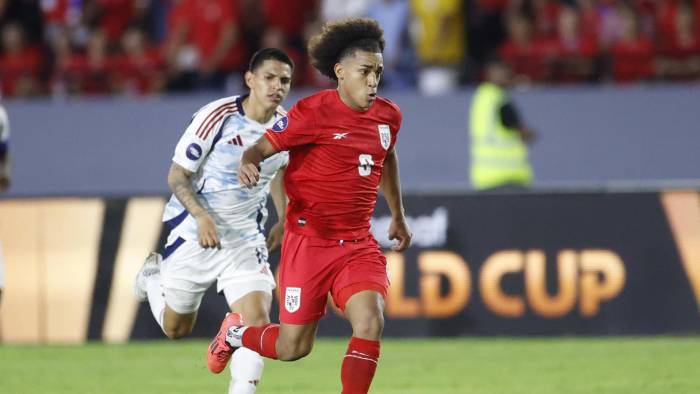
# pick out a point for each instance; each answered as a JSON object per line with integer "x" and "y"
{"x": 193, "y": 152}
{"x": 339, "y": 136}
{"x": 236, "y": 141}
{"x": 280, "y": 125}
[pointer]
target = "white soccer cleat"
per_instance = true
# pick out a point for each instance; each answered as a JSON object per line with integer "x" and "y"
{"x": 150, "y": 267}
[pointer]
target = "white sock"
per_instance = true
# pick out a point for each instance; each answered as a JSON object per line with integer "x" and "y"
{"x": 246, "y": 370}
{"x": 156, "y": 299}
{"x": 235, "y": 336}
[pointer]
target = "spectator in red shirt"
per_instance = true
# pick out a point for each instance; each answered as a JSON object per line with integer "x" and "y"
{"x": 633, "y": 53}
{"x": 590, "y": 18}
{"x": 91, "y": 73}
{"x": 680, "y": 54}
{"x": 203, "y": 43}
{"x": 521, "y": 52}
{"x": 111, "y": 16}
{"x": 291, "y": 18}
{"x": 19, "y": 63}
{"x": 571, "y": 54}
{"x": 139, "y": 69}
{"x": 544, "y": 15}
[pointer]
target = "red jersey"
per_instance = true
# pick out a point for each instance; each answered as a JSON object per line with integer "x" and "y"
{"x": 336, "y": 156}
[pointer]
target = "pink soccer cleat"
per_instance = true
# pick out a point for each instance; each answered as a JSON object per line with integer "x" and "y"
{"x": 220, "y": 350}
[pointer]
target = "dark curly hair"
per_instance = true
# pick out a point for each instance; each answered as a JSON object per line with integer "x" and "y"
{"x": 339, "y": 39}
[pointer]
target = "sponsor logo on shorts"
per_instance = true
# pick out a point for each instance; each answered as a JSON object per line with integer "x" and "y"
{"x": 292, "y": 299}
{"x": 193, "y": 152}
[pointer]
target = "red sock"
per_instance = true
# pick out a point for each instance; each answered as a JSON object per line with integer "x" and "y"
{"x": 262, "y": 339}
{"x": 359, "y": 365}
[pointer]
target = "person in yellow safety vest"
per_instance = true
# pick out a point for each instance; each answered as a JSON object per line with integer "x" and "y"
{"x": 498, "y": 136}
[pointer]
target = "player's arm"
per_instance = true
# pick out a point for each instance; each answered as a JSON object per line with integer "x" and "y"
{"x": 279, "y": 198}
{"x": 510, "y": 117}
{"x": 249, "y": 170}
{"x": 391, "y": 188}
{"x": 179, "y": 181}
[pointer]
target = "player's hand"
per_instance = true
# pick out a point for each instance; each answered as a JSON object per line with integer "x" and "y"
{"x": 206, "y": 232}
{"x": 274, "y": 238}
{"x": 398, "y": 230}
{"x": 248, "y": 175}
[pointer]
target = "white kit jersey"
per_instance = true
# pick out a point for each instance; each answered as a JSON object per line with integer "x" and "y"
{"x": 211, "y": 148}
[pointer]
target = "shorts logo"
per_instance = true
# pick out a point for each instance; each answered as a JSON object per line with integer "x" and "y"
{"x": 384, "y": 135}
{"x": 193, "y": 152}
{"x": 292, "y": 299}
{"x": 280, "y": 125}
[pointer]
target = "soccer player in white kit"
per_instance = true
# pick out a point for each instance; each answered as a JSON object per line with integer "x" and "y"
{"x": 216, "y": 223}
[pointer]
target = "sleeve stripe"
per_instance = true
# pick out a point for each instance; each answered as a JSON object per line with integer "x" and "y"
{"x": 217, "y": 120}
{"x": 205, "y": 126}
{"x": 273, "y": 140}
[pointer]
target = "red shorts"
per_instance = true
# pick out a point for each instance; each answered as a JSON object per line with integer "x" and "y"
{"x": 312, "y": 267}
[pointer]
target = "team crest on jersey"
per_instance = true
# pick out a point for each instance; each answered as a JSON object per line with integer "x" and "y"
{"x": 193, "y": 152}
{"x": 292, "y": 299}
{"x": 384, "y": 135}
{"x": 280, "y": 125}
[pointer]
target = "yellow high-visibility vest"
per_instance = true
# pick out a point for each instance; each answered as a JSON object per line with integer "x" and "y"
{"x": 498, "y": 154}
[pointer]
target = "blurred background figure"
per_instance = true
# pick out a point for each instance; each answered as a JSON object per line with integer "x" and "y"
{"x": 203, "y": 45}
{"x": 393, "y": 16}
{"x": 499, "y": 138}
{"x": 438, "y": 29}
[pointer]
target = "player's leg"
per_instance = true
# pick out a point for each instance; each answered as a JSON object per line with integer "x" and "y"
{"x": 148, "y": 286}
{"x": 174, "y": 285}
{"x": 252, "y": 300}
{"x": 364, "y": 311}
{"x": 284, "y": 342}
{"x": 303, "y": 288}
{"x": 359, "y": 291}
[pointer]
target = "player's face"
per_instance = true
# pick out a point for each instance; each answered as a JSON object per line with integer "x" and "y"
{"x": 270, "y": 83}
{"x": 358, "y": 78}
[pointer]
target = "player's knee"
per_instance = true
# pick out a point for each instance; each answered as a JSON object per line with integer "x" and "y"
{"x": 256, "y": 318}
{"x": 369, "y": 326}
{"x": 177, "y": 331}
{"x": 294, "y": 352}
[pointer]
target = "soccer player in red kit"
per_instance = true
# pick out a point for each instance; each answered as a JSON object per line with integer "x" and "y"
{"x": 341, "y": 147}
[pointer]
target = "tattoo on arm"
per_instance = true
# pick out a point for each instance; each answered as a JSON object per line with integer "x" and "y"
{"x": 181, "y": 186}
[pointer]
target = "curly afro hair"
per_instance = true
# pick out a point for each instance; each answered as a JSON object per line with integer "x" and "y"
{"x": 339, "y": 39}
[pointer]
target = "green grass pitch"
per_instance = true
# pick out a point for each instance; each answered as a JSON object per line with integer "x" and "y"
{"x": 446, "y": 366}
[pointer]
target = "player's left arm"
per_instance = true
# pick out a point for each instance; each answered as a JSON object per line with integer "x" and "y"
{"x": 391, "y": 188}
{"x": 279, "y": 198}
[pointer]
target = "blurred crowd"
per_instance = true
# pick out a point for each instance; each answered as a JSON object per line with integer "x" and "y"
{"x": 144, "y": 47}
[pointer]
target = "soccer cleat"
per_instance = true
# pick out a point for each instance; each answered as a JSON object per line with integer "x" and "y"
{"x": 150, "y": 267}
{"x": 220, "y": 350}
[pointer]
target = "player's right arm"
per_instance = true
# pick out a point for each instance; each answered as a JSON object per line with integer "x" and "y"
{"x": 180, "y": 183}
{"x": 190, "y": 153}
